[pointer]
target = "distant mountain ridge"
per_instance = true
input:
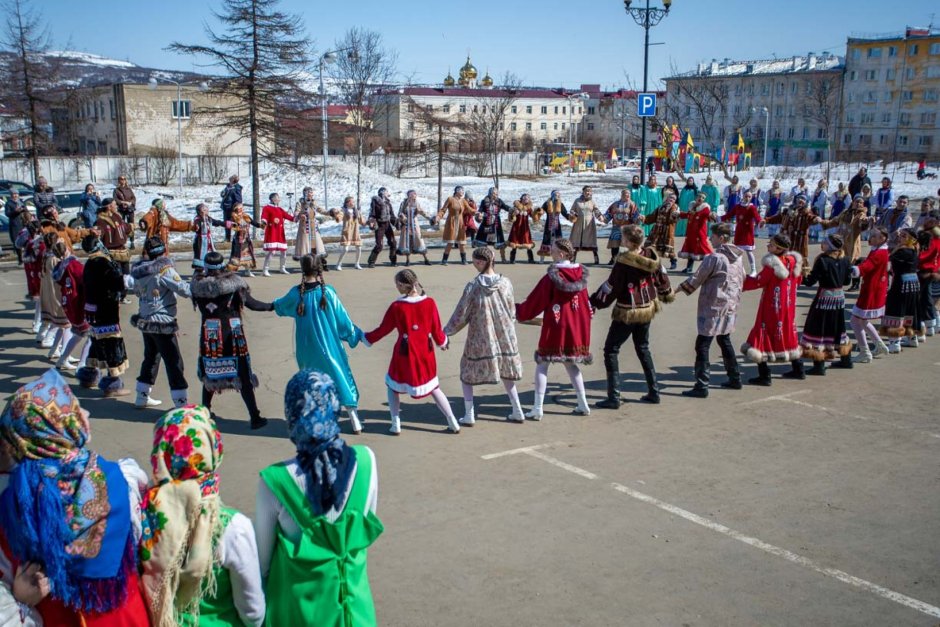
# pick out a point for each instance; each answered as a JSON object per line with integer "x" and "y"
{"x": 84, "y": 69}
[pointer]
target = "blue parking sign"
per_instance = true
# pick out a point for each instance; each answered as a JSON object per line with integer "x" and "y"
{"x": 646, "y": 105}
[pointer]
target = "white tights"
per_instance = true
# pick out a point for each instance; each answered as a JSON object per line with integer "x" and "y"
{"x": 440, "y": 399}
{"x": 511, "y": 391}
{"x": 346, "y": 249}
{"x": 864, "y": 331}
{"x": 750, "y": 261}
{"x": 267, "y": 258}
{"x": 541, "y": 384}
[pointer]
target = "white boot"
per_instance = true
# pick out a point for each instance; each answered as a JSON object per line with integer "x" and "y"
{"x": 909, "y": 342}
{"x": 354, "y": 420}
{"x": 452, "y": 425}
{"x": 180, "y": 397}
{"x": 143, "y": 397}
{"x": 339, "y": 267}
{"x": 469, "y": 419}
{"x": 395, "y": 429}
{"x": 894, "y": 347}
{"x": 536, "y": 412}
{"x": 864, "y": 354}
{"x": 880, "y": 350}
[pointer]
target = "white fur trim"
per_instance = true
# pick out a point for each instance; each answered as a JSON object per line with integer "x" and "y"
{"x": 566, "y": 264}
{"x": 419, "y": 391}
{"x": 412, "y": 299}
{"x": 772, "y": 261}
{"x": 274, "y": 246}
{"x": 868, "y": 314}
{"x": 755, "y": 356}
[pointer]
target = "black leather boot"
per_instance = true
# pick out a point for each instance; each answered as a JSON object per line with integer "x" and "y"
{"x": 393, "y": 260}
{"x": 796, "y": 370}
{"x": 463, "y": 259}
{"x": 818, "y": 369}
{"x": 845, "y": 361}
{"x": 372, "y": 257}
{"x": 512, "y": 256}
{"x": 530, "y": 255}
{"x": 597, "y": 259}
{"x": 613, "y": 392}
{"x": 734, "y": 373}
{"x": 700, "y": 390}
{"x": 763, "y": 375}
{"x": 444, "y": 259}
{"x": 652, "y": 396}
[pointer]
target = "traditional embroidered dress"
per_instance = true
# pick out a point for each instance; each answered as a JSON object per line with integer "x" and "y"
{"x": 456, "y": 210}
{"x": 795, "y": 225}
{"x": 410, "y": 241}
{"x": 66, "y": 233}
{"x": 584, "y": 215}
{"x": 775, "y": 199}
{"x": 104, "y": 288}
{"x": 649, "y": 199}
{"x": 900, "y": 318}
{"x": 696, "y": 244}
{"x": 199, "y": 558}
{"x": 319, "y": 334}
{"x": 873, "y": 271}
{"x": 273, "y": 219}
{"x": 824, "y": 337}
{"x": 50, "y": 295}
{"x": 158, "y": 222}
{"x": 242, "y": 255}
{"x": 71, "y": 510}
{"x": 850, "y": 225}
{"x": 520, "y": 234}
{"x": 202, "y": 240}
{"x": 307, "y": 240}
{"x": 773, "y": 336}
{"x": 413, "y": 369}
{"x": 746, "y": 218}
{"x": 33, "y": 254}
{"x": 491, "y": 352}
{"x": 490, "y": 230}
{"x": 662, "y": 237}
{"x": 554, "y": 211}
{"x": 619, "y": 214}
{"x": 69, "y": 274}
{"x": 637, "y": 287}
{"x": 113, "y": 232}
{"x": 561, "y": 298}
{"x": 712, "y": 196}
{"x": 352, "y": 219}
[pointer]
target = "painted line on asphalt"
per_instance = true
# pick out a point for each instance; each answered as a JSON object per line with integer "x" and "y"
{"x": 778, "y": 397}
{"x": 771, "y": 549}
{"x": 516, "y": 451}
{"x": 835, "y": 412}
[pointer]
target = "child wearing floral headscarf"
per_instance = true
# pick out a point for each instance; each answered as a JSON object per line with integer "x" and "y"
{"x": 315, "y": 516}
{"x": 70, "y": 510}
{"x": 199, "y": 558}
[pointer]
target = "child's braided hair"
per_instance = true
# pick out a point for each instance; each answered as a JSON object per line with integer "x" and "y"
{"x": 312, "y": 266}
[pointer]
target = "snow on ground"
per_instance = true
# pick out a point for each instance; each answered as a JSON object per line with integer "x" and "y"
{"x": 341, "y": 182}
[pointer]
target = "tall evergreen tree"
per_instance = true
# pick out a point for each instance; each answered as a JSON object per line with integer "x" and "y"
{"x": 262, "y": 54}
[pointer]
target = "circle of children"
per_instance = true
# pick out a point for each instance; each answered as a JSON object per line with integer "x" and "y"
{"x": 89, "y": 541}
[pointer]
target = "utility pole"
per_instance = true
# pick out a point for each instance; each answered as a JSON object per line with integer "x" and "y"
{"x": 440, "y": 165}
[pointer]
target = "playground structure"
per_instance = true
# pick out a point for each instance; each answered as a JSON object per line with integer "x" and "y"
{"x": 680, "y": 149}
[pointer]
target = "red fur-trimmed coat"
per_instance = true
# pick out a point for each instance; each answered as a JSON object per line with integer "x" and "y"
{"x": 774, "y": 336}
{"x": 696, "y": 245}
{"x": 873, "y": 271}
{"x": 562, "y": 299}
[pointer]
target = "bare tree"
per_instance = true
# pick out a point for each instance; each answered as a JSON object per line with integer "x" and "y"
{"x": 364, "y": 67}
{"x": 214, "y": 162}
{"x": 27, "y": 73}
{"x": 488, "y": 123}
{"x": 163, "y": 161}
{"x": 822, "y": 109}
{"x": 262, "y": 53}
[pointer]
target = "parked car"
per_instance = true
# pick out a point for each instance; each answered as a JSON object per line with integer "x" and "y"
{"x": 7, "y": 186}
{"x": 70, "y": 202}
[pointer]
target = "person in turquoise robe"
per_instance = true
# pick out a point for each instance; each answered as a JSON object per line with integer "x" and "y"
{"x": 712, "y": 195}
{"x": 686, "y": 198}
{"x": 648, "y": 198}
{"x": 321, "y": 325}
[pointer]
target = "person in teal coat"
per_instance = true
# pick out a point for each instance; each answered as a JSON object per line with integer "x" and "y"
{"x": 648, "y": 198}
{"x": 712, "y": 195}
{"x": 321, "y": 325}
{"x": 686, "y": 198}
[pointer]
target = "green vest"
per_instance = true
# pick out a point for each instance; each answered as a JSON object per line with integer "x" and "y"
{"x": 321, "y": 579}
{"x": 218, "y": 610}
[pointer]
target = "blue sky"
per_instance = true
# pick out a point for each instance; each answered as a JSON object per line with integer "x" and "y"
{"x": 545, "y": 42}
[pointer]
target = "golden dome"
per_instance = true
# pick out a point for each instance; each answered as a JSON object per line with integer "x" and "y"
{"x": 468, "y": 71}
{"x": 449, "y": 81}
{"x": 487, "y": 81}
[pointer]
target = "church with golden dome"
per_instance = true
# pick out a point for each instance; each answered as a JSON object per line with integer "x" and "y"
{"x": 467, "y": 78}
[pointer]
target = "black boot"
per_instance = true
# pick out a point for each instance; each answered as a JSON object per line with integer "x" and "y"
{"x": 845, "y": 361}
{"x": 652, "y": 396}
{"x": 613, "y": 392}
{"x": 530, "y": 255}
{"x": 512, "y": 256}
{"x": 818, "y": 369}
{"x": 796, "y": 370}
{"x": 730, "y": 361}
{"x": 597, "y": 259}
{"x": 763, "y": 375}
{"x": 427, "y": 261}
{"x": 463, "y": 259}
{"x": 444, "y": 259}
{"x": 855, "y": 284}
{"x": 700, "y": 390}
{"x": 257, "y": 422}
{"x": 393, "y": 260}
{"x": 372, "y": 257}
{"x": 673, "y": 263}
{"x": 688, "y": 266}
{"x": 613, "y": 259}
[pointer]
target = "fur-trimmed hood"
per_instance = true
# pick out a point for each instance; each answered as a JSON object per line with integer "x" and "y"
{"x": 648, "y": 261}
{"x": 774, "y": 262}
{"x": 215, "y": 286}
{"x": 732, "y": 252}
{"x": 568, "y": 278}
{"x": 143, "y": 269}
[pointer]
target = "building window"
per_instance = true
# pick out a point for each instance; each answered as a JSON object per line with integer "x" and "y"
{"x": 888, "y": 96}
{"x": 871, "y": 75}
{"x": 847, "y": 139}
{"x": 850, "y": 117}
{"x": 513, "y": 109}
{"x": 890, "y": 73}
{"x": 864, "y": 140}
{"x": 111, "y": 107}
{"x": 556, "y": 124}
{"x": 780, "y": 88}
{"x": 853, "y": 75}
{"x": 883, "y": 140}
{"x": 590, "y": 110}
{"x": 475, "y": 108}
{"x": 411, "y": 107}
{"x": 446, "y": 108}
{"x": 904, "y": 119}
{"x": 765, "y": 89}
{"x": 934, "y": 49}
{"x": 411, "y": 126}
{"x": 933, "y": 71}
{"x": 902, "y": 140}
{"x": 429, "y": 108}
{"x": 793, "y": 87}
{"x": 750, "y": 89}
{"x": 564, "y": 110}
{"x": 856, "y": 54}
{"x": 543, "y": 126}
{"x": 805, "y": 133}
{"x": 484, "y": 109}
{"x": 528, "y": 109}
{"x": 776, "y": 133}
{"x": 886, "y": 117}
{"x": 892, "y": 51}
{"x": 851, "y": 96}
{"x": 868, "y": 118}
{"x": 430, "y": 126}
{"x": 556, "y": 110}
{"x": 930, "y": 95}
{"x": 737, "y": 89}
{"x": 779, "y": 111}
{"x": 737, "y": 109}
{"x": 791, "y": 133}
{"x": 463, "y": 109}
{"x": 544, "y": 110}
{"x": 874, "y": 53}
{"x": 925, "y": 140}
{"x": 907, "y": 96}
{"x": 912, "y": 52}
{"x": 183, "y": 112}
{"x": 820, "y": 133}
{"x": 512, "y": 126}
{"x": 563, "y": 126}
{"x": 528, "y": 126}
{"x": 929, "y": 118}
{"x": 871, "y": 96}
{"x": 910, "y": 73}
{"x": 590, "y": 126}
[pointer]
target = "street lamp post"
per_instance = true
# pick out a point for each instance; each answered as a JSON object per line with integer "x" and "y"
{"x": 571, "y": 98}
{"x": 647, "y": 18}
{"x": 766, "y": 113}
{"x": 329, "y": 57}
{"x": 203, "y": 86}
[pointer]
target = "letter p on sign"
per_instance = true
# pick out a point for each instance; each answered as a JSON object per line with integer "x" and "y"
{"x": 646, "y": 105}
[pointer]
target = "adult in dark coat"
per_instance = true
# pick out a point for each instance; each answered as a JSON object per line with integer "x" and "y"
{"x": 381, "y": 216}
{"x": 231, "y": 195}
{"x": 860, "y": 179}
{"x": 126, "y": 203}
{"x": 18, "y": 215}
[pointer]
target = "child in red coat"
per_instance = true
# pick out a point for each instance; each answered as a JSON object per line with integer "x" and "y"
{"x": 413, "y": 369}
{"x": 275, "y": 241}
{"x": 562, "y": 299}
{"x": 746, "y": 218}
{"x": 873, "y": 272}
{"x": 697, "y": 245}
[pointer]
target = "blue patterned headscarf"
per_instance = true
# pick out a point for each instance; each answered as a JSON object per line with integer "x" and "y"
{"x": 66, "y": 507}
{"x": 310, "y": 405}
